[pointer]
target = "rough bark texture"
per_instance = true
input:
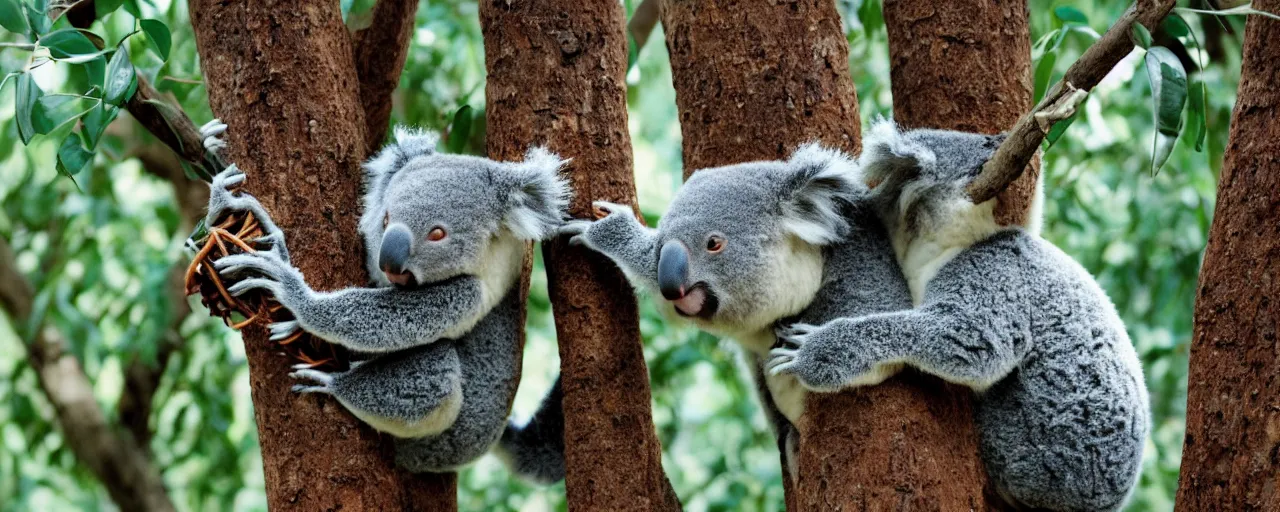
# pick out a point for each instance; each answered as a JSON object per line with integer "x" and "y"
{"x": 754, "y": 80}
{"x": 557, "y": 77}
{"x": 281, "y": 75}
{"x": 124, "y": 468}
{"x": 380, "y": 53}
{"x": 1230, "y": 460}
{"x": 964, "y": 65}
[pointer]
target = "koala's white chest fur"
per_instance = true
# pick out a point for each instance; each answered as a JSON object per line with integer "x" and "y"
{"x": 922, "y": 254}
{"x": 788, "y": 395}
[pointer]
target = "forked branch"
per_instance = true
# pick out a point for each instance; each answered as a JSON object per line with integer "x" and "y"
{"x": 1013, "y": 155}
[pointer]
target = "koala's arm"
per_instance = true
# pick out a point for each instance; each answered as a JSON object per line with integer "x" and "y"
{"x": 971, "y": 332}
{"x": 621, "y": 238}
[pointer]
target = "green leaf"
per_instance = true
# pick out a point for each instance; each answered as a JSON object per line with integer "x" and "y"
{"x": 96, "y": 122}
{"x": 122, "y": 80}
{"x": 1199, "y": 112}
{"x": 131, "y": 7}
{"x": 38, "y": 18}
{"x": 12, "y": 18}
{"x": 54, "y": 110}
{"x": 158, "y": 36}
{"x": 1175, "y": 26}
{"x": 72, "y": 157}
{"x": 1070, "y": 14}
{"x": 1044, "y": 74}
{"x": 1239, "y": 9}
{"x": 27, "y": 102}
{"x": 1169, "y": 94}
{"x": 104, "y": 7}
{"x": 460, "y": 130}
{"x": 1141, "y": 36}
{"x": 1060, "y": 128}
{"x": 68, "y": 43}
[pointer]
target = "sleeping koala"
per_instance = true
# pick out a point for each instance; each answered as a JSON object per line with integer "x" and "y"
{"x": 744, "y": 246}
{"x": 445, "y": 238}
{"x": 1063, "y": 408}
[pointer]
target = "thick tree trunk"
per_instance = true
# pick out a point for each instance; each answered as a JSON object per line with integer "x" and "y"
{"x": 1230, "y": 458}
{"x": 964, "y": 65}
{"x": 754, "y": 80}
{"x": 283, "y": 79}
{"x": 557, "y": 77}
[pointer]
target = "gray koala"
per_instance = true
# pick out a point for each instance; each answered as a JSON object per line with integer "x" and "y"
{"x": 446, "y": 236}
{"x": 744, "y": 246}
{"x": 1063, "y": 408}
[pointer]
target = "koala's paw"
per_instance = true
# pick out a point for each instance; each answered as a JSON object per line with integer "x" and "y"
{"x": 817, "y": 358}
{"x": 611, "y": 219}
{"x": 320, "y": 382}
{"x": 274, "y": 274}
{"x": 283, "y": 330}
{"x": 211, "y": 134}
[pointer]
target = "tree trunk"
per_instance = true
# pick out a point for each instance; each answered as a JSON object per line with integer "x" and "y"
{"x": 557, "y": 78}
{"x": 753, "y": 81}
{"x": 282, "y": 77}
{"x": 1230, "y": 458}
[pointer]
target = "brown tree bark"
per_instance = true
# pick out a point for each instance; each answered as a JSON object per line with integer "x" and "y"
{"x": 557, "y": 78}
{"x": 282, "y": 77}
{"x": 380, "y": 53}
{"x": 754, "y": 80}
{"x": 1230, "y": 461}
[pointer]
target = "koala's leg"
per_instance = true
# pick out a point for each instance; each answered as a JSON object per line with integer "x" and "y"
{"x": 411, "y": 393}
{"x": 377, "y": 320}
{"x": 956, "y": 342}
{"x": 489, "y": 359}
{"x": 620, "y": 237}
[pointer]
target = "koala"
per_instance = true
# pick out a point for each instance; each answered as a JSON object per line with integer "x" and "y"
{"x": 745, "y": 246}
{"x": 1062, "y": 406}
{"x": 440, "y": 330}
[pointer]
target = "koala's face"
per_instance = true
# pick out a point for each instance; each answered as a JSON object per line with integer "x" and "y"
{"x": 442, "y": 216}
{"x": 442, "y": 212}
{"x": 741, "y": 246}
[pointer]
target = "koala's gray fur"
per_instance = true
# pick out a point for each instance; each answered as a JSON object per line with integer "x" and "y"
{"x": 443, "y": 343}
{"x": 799, "y": 240}
{"x": 1063, "y": 408}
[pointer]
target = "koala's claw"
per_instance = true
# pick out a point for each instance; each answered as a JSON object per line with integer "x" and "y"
{"x": 282, "y": 330}
{"x": 575, "y": 229}
{"x": 213, "y": 128}
{"x": 781, "y": 360}
{"x": 266, "y": 263}
{"x": 228, "y": 178}
{"x": 256, "y": 283}
{"x": 323, "y": 380}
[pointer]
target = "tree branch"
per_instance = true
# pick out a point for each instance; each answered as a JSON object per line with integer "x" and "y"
{"x": 1012, "y": 157}
{"x": 117, "y": 461}
{"x": 380, "y": 53}
{"x": 642, "y": 22}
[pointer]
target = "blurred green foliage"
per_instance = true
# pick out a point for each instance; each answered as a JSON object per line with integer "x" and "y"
{"x": 99, "y": 252}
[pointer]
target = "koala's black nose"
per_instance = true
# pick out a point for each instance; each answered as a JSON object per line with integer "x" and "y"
{"x": 673, "y": 270}
{"x": 393, "y": 256}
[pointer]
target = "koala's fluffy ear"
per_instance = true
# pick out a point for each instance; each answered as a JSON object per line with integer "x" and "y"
{"x": 409, "y": 143}
{"x": 818, "y": 181}
{"x": 538, "y": 198}
{"x": 888, "y": 155}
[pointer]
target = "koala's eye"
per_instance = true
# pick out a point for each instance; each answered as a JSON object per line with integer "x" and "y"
{"x": 715, "y": 244}
{"x": 436, "y": 234}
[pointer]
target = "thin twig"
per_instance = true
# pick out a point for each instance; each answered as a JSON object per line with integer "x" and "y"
{"x": 1013, "y": 155}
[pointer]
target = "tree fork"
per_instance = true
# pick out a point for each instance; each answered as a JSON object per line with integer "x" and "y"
{"x": 285, "y": 82}
{"x": 1229, "y": 461}
{"x": 557, "y": 73}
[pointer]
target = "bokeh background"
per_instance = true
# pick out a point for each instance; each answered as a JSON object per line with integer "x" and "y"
{"x": 99, "y": 252}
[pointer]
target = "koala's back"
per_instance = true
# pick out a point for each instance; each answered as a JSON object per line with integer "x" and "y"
{"x": 1065, "y": 430}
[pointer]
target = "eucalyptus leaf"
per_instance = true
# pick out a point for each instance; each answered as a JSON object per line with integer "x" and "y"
{"x": 460, "y": 130}
{"x": 67, "y": 43}
{"x": 72, "y": 157}
{"x": 96, "y": 122}
{"x": 1044, "y": 74}
{"x": 104, "y": 7}
{"x": 27, "y": 102}
{"x": 1169, "y": 94}
{"x": 1070, "y": 14}
{"x": 1059, "y": 128}
{"x": 37, "y": 18}
{"x": 158, "y": 37}
{"x": 131, "y": 7}
{"x": 12, "y": 17}
{"x": 122, "y": 81}
{"x": 1141, "y": 36}
{"x": 54, "y": 110}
